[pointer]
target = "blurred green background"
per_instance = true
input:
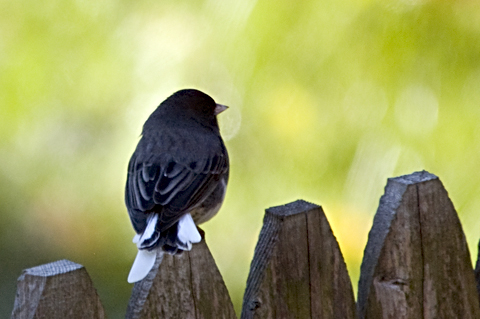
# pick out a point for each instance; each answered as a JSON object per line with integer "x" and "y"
{"x": 327, "y": 100}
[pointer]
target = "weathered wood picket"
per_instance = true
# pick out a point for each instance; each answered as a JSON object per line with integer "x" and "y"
{"x": 416, "y": 265}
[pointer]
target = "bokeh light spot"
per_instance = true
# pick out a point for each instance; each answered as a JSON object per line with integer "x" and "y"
{"x": 416, "y": 110}
{"x": 293, "y": 111}
{"x": 365, "y": 104}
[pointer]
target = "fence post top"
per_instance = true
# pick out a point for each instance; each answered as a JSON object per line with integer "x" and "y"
{"x": 293, "y": 208}
{"x": 414, "y": 178}
{"x": 52, "y": 269}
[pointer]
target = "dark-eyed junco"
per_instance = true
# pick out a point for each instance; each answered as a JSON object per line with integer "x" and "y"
{"x": 177, "y": 177}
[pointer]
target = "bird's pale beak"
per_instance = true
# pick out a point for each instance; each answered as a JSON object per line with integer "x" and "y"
{"x": 220, "y": 108}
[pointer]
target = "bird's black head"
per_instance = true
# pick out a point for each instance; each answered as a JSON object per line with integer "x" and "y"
{"x": 190, "y": 100}
{"x": 188, "y": 105}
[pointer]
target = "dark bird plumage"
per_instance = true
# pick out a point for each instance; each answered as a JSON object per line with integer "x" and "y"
{"x": 179, "y": 169}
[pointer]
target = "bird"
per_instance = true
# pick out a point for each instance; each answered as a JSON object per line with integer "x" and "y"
{"x": 177, "y": 177}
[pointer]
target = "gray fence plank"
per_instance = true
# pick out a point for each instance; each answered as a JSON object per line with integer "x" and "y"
{"x": 61, "y": 289}
{"x": 416, "y": 263}
{"x": 298, "y": 270}
{"x": 183, "y": 286}
{"x": 477, "y": 271}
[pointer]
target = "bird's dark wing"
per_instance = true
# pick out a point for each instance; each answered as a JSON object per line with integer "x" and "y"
{"x": 169, "y": 187}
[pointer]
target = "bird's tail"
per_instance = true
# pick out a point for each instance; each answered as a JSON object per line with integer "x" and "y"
{"x": 178, "y": 238}
{"x": 143, "y": 264}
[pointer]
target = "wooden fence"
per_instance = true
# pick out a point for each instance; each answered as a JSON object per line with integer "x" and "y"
{"x": 416, "y": 265}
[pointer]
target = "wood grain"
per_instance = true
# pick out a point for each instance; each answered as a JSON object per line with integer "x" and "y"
{"x": 61, "y": 289}
{"x": 477, "y": 271}
{"x": 416, "y": 263}
{"x": 183, "y": 286}
{"x": 298, "y": 270}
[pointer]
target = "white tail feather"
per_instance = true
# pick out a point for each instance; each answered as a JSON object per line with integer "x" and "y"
{"x": 136, "y": 238}
{"x": 149, "y": 230}
{"x": 187, "y": 234}
{"x": 142, "y": 265}
{"x": 187, "y": 231}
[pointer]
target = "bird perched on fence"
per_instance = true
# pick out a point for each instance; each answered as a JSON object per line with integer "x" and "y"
{"x": 177, "y": 177}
